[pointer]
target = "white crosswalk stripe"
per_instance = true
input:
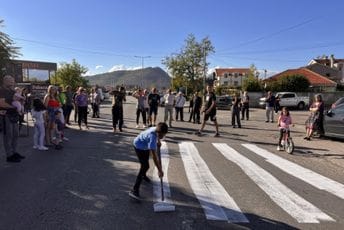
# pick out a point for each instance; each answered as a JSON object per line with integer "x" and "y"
{"x": 300, "y": 172}
{"x": 219, "y": 205}
{"x": 214, "y": 199}
{"x": 165, "y": 161}
{"x": 293, "y": 204}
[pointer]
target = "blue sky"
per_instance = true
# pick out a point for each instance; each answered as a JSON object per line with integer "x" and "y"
{"x": 106, "y": 35}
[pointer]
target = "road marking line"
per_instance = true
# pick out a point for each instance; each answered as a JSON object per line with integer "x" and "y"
{"x": 165, "y": 160}
{"x": 214, "y": 199}
{"x": 302, "y": 210}
{"x": 307, "y": 175}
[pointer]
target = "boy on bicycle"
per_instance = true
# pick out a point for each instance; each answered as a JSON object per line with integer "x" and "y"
{"x": 284, "y": 121}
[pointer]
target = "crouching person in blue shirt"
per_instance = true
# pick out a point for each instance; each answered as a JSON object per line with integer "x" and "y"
{"x": 148, "y": 142}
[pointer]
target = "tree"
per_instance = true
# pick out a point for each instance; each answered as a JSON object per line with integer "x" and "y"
{"x": 252, "y": 83}
{"x": 70, "y": 74}
{"x": 294, "y": 83}
{"x": 190, "y": 64}
{"x": 7, "y": 49}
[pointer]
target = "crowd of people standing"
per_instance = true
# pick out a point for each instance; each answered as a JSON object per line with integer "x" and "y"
{"x": 52, "y": 114}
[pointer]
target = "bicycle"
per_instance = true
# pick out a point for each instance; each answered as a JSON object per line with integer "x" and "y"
{"x": 287, "y": 142}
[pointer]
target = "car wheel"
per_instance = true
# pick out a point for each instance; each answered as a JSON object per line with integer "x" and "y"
{"x": 301, "y": 106}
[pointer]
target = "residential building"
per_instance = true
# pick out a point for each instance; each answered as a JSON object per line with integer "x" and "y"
{"x": 318, "y": 83}
{"x": 331, "y": 68}
{"x": 231, "y": 77}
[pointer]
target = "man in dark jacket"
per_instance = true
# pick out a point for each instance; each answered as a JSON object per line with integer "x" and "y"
{"x": 197, "y": 104}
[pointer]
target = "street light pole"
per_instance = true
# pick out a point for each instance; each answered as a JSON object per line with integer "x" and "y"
{"x": 142, "y": 64}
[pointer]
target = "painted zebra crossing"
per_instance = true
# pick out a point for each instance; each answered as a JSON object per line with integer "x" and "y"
{"x": 217, "y": 202}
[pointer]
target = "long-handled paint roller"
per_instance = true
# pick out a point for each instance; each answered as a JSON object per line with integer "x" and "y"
{"x": 162, "y": 206}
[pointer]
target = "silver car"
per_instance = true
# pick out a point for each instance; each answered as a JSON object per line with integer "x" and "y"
{"x": 334, "y": 122}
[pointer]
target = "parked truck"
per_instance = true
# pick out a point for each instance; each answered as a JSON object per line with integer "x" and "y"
{"x": 288, "y": 99}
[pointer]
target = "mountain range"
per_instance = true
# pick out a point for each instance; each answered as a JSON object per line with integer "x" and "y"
{"x": 144, "y": 78}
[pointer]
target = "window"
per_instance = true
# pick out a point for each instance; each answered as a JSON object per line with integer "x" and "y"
{"x": 225, "y": 83}
{"x": 288, "y": 95}
{"x": 236, "y": 83}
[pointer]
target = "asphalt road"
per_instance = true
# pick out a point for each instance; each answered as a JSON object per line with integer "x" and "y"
{"x": 85, "y": 185}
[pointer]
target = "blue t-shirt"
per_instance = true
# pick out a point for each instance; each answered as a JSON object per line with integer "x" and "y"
{"x": 146, "y": 140}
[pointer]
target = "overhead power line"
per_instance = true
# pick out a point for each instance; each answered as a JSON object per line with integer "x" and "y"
{"x": 271, "y": 34}
{"x": 96, "y": 52}
{"x": 287, "y": 49}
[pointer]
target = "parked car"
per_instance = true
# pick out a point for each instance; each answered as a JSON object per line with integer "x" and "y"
{"x": 288, "y": 99}
{"x": 224, "y": 102}
{"x": 106, "y": 95}
{"x": 334, "y": 122}
{"x": 337, "y": 103}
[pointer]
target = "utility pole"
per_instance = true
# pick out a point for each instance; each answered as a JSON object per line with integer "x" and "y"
{"x": 142, "y": 64}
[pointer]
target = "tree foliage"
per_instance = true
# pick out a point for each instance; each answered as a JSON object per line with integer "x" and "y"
{"x": 190, "y": 63}
{"x": 294, "y": 83}
{"x": 252, "y": 83}
{"x": 7, "y": 49}
{"x": 70, "y": 74}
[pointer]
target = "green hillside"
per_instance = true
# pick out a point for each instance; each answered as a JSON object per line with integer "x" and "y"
{"x": 148, "y": 77}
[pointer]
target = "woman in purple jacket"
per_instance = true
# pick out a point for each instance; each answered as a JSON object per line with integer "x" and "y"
{"x": 81, "y": 101}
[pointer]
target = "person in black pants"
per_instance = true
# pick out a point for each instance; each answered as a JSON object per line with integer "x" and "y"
{"x": 148, "y": 142}
{"x": 236, "y": 112}
{"x": 197, "y": 104}
{"x": 117, "y": 108}
{"x": 245, "y": 101}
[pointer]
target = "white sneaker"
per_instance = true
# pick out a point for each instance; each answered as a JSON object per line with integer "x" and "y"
{"x": 137, "y": 126}
{"x": 282, "y": 142}
{"x": 43, "y": 148}
{"x": 278, "y": 148}
{"x": 65, "y": 139}
{"x": 144, "y": 126}
{"x": 35, "y": 147}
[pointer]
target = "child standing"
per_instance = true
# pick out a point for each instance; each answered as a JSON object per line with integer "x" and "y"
{"x": 38, "y": 114}
{"x": 148, "y": 142}
{"x": 284, "y": 121}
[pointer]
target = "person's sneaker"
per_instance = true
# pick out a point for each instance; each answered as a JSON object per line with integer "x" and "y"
{"x": 135, "y": 195}
{"x": 65, "y": 139}
{"x": 266, "y": 121}
{"x": 146, "y": 178}
{"x": 272, "y": 121}
{"x": 120, "y": 129}
{"x": 35, "y": 147}
{"x": 278, "y": 148}
{"x": 217, "y": 135}
{"x": 198, "y": 133}
{"x": 17, "y": 155}
{"x": 144, "y": 126}
{"x": 43, "y": 148}
{"x": 137, "y": 126}
{"x": 282, "y": 142}
{"x": 13, "y": 159}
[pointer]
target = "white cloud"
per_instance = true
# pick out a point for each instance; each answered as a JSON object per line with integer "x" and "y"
{"x": 123, "y": 67}
{"x": 99, "y": 66}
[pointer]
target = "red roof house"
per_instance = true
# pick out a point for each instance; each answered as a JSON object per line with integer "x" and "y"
{"x": 316, "y": 80}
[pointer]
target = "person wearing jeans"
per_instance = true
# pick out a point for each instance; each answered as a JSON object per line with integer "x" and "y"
{"x": 270, "y": 105}
{"x": 169, "y": 99}
{"x": 10, "y": 119}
